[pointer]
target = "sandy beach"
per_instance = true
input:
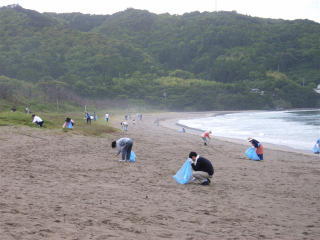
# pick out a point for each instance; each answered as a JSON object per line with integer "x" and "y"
{"x": 57, "y": 185}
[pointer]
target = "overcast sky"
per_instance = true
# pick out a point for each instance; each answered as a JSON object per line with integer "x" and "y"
{"x": 285, "y": 9}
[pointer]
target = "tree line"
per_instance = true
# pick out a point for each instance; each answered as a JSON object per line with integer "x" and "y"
{"x": 195, "y": 61}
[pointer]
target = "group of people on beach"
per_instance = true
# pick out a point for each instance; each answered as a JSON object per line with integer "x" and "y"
{"x": 89, "y": 117}
{"x": 125, "y": 124}
{"x": 68, "y": 122}
{"x": 202, "y": 168}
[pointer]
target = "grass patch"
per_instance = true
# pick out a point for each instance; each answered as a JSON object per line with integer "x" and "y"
{"x": 56, "y": 120}
{"x": 18, "y": 118}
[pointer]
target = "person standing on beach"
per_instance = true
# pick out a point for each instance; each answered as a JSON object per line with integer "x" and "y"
{"x": 202, "y": 168}
{"x": 37, "y": 120}
{"x": 124, "y": 126}
{"x": 124, "y": 146}
{"x": 107, "y": 117}
{"x": 88, "y": 118}
{"x": 206, "y": 136}
{"x": 258, "y": 146}
{"x": 27, "y": 110}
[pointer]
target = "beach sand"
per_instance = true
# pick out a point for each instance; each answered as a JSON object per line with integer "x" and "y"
{"x": 56, "y": 185}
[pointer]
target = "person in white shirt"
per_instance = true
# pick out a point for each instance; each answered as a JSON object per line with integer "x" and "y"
{"x": 107, "y": 117}
{"x": 37, "y": 120}
{"x": 124, "y": 126}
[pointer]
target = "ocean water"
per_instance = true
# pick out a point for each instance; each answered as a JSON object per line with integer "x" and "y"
{"x": 295, "y": 129}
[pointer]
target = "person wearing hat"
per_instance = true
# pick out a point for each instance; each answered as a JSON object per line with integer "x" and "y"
{"x": 202, "y": 168}
{"x": 258, "y": 146}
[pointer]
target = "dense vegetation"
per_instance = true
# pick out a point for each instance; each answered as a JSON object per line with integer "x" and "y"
{"x": 197, "y": 61}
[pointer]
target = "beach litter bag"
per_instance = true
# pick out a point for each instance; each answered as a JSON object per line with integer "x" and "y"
{"x": 132, "y": 157}
{"x": 184, "y": 174}
{"x": 316, "y": 149}
{"x": 251, "y": 154}
{"x": 70, "y": 125}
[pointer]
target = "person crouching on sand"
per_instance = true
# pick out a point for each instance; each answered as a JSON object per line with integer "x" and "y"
{"x": 258, "y": 146}
{"x": 202, "y": 168}
{"x": 37, "y": 120}
{"x": 206, "y": 136}
{"x": 68, "y": 123}
{"x": 124, "y": 146}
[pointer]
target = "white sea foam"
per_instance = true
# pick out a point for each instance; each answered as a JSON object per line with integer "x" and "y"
{"x": 295, "y": 129}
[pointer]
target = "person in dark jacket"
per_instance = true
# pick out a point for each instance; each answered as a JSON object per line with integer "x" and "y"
{"x": 88, "y": 118}
{"x": 202, "y": 168}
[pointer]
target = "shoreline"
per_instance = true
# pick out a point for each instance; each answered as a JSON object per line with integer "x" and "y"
{"x": 173, "y": 124}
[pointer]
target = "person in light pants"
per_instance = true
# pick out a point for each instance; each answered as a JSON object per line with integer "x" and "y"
{"x": 206, "y": 136}
{"x": 202, "y": 168}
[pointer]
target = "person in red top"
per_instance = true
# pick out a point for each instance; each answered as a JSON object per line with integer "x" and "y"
{"x": 206, "y": 137}
{"x": 258, "y": 146}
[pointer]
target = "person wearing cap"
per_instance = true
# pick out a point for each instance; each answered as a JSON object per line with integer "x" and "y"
{"x": 206, "y": 137}
{"x": 258, "y": 146}
{"x": 202, "y": 168}
{"x": 37, "y": 120}
{"x": 124, "y": 146}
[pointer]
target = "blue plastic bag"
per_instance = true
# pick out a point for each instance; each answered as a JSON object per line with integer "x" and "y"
{"x": 316, "y": 149}
{"x": 251, "y": 154}
{"x": 184, "y": 174}
{"x": 70, "y": 125}
{"x": 132, "y": 157}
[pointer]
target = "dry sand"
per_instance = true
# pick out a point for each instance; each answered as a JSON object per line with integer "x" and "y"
{"x": 56, "y": 185}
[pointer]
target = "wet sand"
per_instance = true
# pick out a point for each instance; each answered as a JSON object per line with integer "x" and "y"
{"x": 56, "y": 185}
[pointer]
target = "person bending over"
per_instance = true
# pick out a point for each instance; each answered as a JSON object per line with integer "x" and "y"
{"x": 202, "y": 168}
{"x": 68, "y": 123}
{"x": 124, "y": 146}
{"x": 37, "y": 120}
{"x": 258, "y": 146}
{"x": 206, "y": 136}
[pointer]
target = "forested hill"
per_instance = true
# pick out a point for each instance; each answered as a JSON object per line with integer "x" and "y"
{"x": 196, "y": 61}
